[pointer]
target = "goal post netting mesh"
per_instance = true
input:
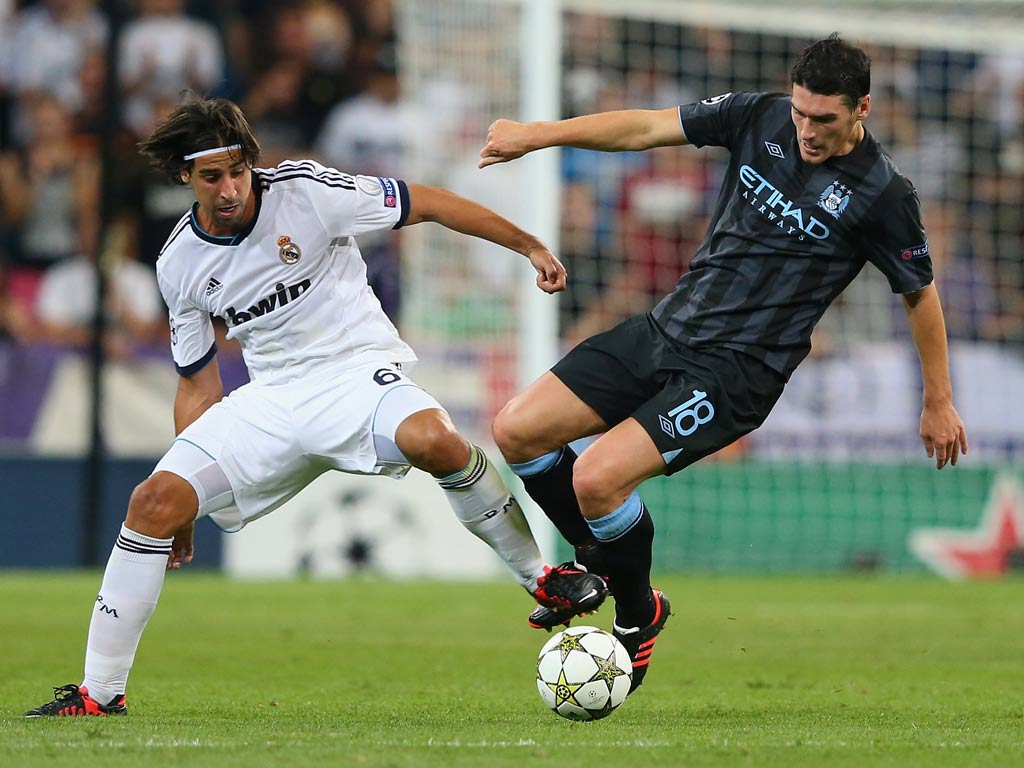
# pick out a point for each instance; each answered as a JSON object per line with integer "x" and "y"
{"x": 837, "y": 477}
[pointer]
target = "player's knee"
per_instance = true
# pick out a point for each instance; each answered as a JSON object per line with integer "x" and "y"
{"x": 430, "y": 442}
{"x": 160, "y": 505}
{"x": 594, "y": 485}
{"x": 510, "y": 435}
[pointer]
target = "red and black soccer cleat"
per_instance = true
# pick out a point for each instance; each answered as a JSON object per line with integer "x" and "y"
{"x": 564, "y": 592}
{"x": 74, "y": 700}
{"x": 639, "y": 642}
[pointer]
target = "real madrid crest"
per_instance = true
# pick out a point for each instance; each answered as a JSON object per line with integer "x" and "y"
{"x": 288, "y": 251}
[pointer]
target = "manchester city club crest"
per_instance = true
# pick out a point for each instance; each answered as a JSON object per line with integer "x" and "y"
{"x": 289, "y": 251}
{"x": 835, "y": 198}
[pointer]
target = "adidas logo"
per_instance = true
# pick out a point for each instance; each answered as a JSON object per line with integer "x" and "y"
{"x": 214, "y": 286}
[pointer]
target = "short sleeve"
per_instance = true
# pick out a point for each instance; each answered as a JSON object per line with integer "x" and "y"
{"x": 718, "y": 121}
{"x": 897, "y": 244}
{"x": 192, "y": 339}
{"x": 352, "y": 205}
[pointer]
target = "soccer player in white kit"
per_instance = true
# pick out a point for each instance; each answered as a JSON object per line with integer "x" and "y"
{"x": 272, "y": 252}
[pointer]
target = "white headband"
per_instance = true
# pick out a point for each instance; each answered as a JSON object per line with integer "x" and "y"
{"x": 214, "y": 151}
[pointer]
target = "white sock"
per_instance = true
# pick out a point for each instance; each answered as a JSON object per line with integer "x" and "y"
{"x": 128, "y": 595}
{"x": 487, "y": 510}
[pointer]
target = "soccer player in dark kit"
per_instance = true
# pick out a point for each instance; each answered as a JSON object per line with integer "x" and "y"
{"x": 809, "y": 196}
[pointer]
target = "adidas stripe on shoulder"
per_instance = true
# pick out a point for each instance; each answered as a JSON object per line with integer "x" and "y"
{"x": 178, "y": 229}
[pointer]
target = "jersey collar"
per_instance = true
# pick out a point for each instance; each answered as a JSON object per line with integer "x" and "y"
{"x": 238, "y": 237}
{"x": 855, "y": 154}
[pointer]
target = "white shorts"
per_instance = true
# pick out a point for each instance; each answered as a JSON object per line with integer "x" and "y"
{"x": 262, "y": 444}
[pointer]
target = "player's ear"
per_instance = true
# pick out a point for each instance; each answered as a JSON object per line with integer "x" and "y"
{"x": 864, "y": 106}
{"x": 186, "y": 175}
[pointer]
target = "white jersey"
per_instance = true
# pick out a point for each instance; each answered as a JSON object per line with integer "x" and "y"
{"x": 292, "y": 286}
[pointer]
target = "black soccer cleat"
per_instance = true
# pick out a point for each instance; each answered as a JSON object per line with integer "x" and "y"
{"x": 564, "y": 592}
{"x": 73, "y": 701}
{"x": 640, "y": 642}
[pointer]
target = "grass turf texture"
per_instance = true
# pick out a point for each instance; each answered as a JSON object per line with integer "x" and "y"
{"x": 759, "y": 672}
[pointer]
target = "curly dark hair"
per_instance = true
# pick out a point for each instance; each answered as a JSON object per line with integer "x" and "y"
{"x": 834, "y": 67}
{"x": 194, "y": 125}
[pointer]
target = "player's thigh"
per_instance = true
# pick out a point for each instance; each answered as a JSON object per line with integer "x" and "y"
{"x": 606, "y": 376}
{"x": 350, "y": 420}
{"x": 615, "y": 464}
{"x": 543, "y": 417}
{"x": 410, "y": 425}
{"x": 718, "y": 398}
{"x": 242, "y": 457}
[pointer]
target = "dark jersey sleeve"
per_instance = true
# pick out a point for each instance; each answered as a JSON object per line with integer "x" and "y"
{"x": 718, "y": 121}
{"x": 896, "y": 242}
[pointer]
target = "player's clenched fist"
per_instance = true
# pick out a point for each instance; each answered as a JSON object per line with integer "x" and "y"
{"x": 506, "y": 140}
{"x": 551, "y": 274}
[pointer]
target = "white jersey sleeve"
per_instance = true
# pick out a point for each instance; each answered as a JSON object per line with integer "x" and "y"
{"x": 192, "y": 338}
{"x": 352, "y": 205}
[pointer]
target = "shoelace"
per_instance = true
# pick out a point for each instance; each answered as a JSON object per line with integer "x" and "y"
{"x": 68, "y": 691}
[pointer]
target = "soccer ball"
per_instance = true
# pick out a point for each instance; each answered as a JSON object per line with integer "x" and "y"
{"x": 583, "y": 673}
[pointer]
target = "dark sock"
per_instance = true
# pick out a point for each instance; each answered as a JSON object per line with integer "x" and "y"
{"x": 627, "y": 560}
{"x": 552, "y": 490}
{"x": 590, "y": 555}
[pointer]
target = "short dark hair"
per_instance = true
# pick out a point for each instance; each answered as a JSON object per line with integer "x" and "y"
{"x": 194, "y": 125}
{"x": 834, "y": 67}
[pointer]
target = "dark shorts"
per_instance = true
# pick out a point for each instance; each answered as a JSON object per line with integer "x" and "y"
{"x": 692, "y": 402}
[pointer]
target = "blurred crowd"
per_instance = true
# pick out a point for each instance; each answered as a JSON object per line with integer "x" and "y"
{"x": 319, "y": 78}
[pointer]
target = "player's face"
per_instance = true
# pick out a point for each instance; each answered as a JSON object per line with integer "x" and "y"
{"x": 223, "y": 186}
{"x": 825, "y": 126}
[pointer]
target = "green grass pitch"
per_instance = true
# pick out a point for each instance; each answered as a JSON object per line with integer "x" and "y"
{"x": 751, "y": 672}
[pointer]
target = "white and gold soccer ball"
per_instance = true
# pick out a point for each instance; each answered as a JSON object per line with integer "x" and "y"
{"x": 583, "y": 673}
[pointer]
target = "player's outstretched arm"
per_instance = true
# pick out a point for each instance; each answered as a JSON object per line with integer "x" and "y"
{"x": 942, "y": 430}
{"x": 461, "y": 215}
{"x": 195, "y": 394}
{"x": 630, "y": 129}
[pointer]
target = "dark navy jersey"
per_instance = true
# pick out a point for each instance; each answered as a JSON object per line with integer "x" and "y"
{"x": 787, "y": 236}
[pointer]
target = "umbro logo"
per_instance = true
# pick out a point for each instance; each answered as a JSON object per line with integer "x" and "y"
{"x": 775, "y": 150}
{"x": 213, "y": 286}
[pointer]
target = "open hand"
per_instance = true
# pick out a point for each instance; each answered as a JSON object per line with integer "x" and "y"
{"x": 943, "y": 433}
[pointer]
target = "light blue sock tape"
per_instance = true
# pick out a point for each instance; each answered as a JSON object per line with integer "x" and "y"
{"x": 537, "y": 466}
{"x": 618, "y": 522}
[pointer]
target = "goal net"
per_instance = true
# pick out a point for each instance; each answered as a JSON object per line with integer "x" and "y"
{"x": 837, "y": 478}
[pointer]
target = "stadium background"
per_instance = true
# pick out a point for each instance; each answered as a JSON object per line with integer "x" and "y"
{"x": 836, "y": 480}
